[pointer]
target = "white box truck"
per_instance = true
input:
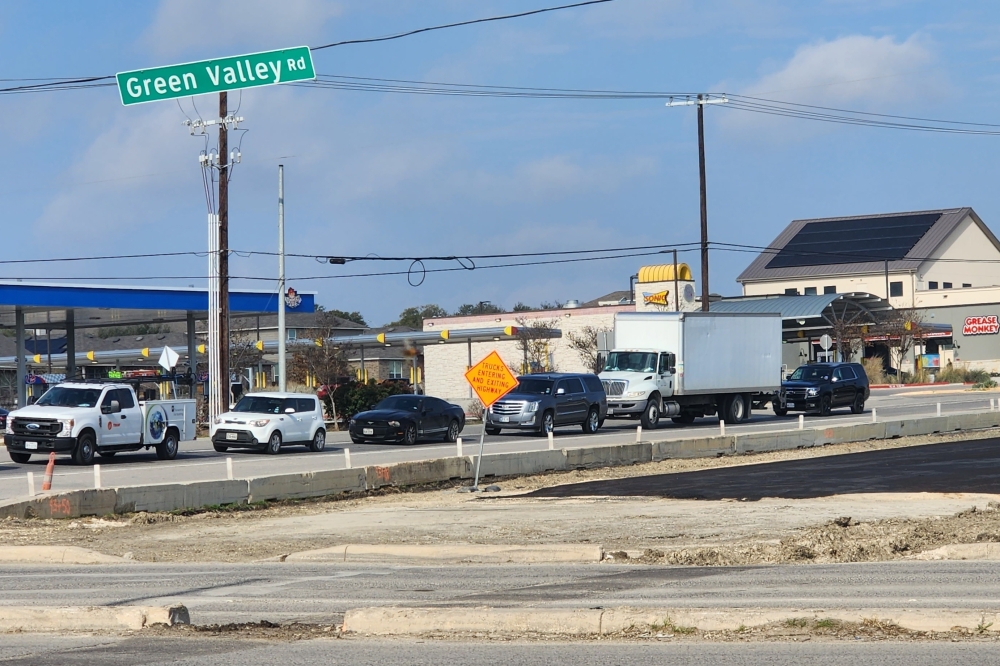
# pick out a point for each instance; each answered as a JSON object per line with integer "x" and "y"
{"x": 686, "y": 365}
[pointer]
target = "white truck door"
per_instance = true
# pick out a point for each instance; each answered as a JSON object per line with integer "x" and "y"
{"x": 130, "y": 417}
{"x": 665, "y": 376}
{"x": 111, "y": 423}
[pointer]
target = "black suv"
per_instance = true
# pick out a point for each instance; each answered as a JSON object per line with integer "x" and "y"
{"x": 821, "y": 387}
{"x": 542, "y": 402}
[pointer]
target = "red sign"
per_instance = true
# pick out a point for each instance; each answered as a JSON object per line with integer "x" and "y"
{"x": 987, "y": 325}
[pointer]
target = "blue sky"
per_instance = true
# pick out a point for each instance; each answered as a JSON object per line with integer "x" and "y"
{"x": 419, "y": 175}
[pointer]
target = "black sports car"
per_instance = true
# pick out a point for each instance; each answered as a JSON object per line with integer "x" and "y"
{"x": 407, "y": 418}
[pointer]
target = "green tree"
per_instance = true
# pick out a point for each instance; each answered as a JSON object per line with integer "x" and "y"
{"x": 521, "y": 307}
{"x": 354, "y": 316}
{"x": 414, "y": 317}
{"x": 480, "y": 308}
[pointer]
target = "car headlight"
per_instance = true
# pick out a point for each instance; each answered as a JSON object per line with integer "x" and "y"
{"x": 393, "y": 424}
{"x": 812, "y": 391}
{"x": 352, "y": 422}
{"x": 531, "y": 407}
{"x": 260, "y": 423}
{"x": 636, "y": 394}
{"x": 67, "y": 425}
{"x": 9, "y": 429}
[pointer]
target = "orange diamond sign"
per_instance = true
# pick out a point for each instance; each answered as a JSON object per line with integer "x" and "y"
{"x": 491, "y": 379}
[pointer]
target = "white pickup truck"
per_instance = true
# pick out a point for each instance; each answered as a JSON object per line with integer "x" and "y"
{"x": 84, "y": 418}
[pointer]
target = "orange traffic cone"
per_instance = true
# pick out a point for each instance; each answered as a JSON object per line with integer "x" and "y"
{"x": 47, "y": 481}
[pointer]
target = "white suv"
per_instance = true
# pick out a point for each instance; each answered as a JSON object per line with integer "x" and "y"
{"x": 268, "y": 421}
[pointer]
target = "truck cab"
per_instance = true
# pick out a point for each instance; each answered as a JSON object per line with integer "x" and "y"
{"x": 636, "y": 382}
{"x": 87, "y": 418}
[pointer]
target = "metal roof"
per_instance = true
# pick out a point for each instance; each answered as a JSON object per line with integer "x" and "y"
{"x": 808, "y": 314}
{"x": 925, "y": 247}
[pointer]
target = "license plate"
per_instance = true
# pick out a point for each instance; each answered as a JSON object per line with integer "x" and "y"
{"x": 610, "y": 411}
{"x": 368, "y": 431}
{"x": 231, "y": 435}
{"x": 790, "y": 405}
{"x": 504, "y": 419}
{"x": 31, "y": 445}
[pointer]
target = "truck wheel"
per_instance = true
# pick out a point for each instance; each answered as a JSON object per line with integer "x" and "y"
{"x": 274, "y": 444}
{"x": 651, "y": 417}
{"x": 825, "y": 405}
{"x": 83, "y": 454}
{"x": 859, "y": 405}
{"x": 167, "y": 449}
{"x": 547, "y": 425}
{"x": 19, "y": 457}
{"x": 593, "y": 421}
{"x": 778, "y": 409}
{"x": 318, "y": 441}
{"x": 490, "y": 430}
{"x": 735, "y": 409}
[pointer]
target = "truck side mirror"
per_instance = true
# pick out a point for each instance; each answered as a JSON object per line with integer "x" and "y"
{"x": 113, "y": 408}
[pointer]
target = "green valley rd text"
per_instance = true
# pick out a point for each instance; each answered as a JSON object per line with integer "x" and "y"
{"x": 210, "y": 76}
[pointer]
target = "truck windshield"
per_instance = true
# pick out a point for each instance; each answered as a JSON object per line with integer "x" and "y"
{"x": 807, "y": 372}
{"x": 259, "y": 404}
{"x": 534, "y": 386}
{"x": 65, "y": 396}
{"x": 631, "y": 362}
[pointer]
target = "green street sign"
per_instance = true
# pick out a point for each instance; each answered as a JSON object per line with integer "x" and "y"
{"x": 211, "y": 76}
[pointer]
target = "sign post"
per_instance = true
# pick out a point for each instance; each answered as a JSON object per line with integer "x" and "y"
{"x": 491, "y": 380}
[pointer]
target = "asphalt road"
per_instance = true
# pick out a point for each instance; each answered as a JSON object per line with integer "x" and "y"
{"x": 281, "y": 592}
{"x": 197, "y": 461}
{"x": 37, "y": 650}
{"x": 954, "y": 467}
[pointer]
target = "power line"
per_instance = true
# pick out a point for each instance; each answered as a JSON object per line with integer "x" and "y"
{"x": 409, "y": 33}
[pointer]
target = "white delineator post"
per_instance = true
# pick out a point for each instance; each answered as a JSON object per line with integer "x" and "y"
{"x": 229, "y": 469}
{"x": 939, "y": 409}
{"x": 31, "y": 484}
{"x": 722, "y": 427}
{"x": 458, "y": 447}
{"x": 802, "y": 421}
{"x": 97, "y": 477}
{"x": 552, "y": 442}
{"x": 347, "y": 459}
{"x": 638, "y": 434}
{"x": 874, "y": 416}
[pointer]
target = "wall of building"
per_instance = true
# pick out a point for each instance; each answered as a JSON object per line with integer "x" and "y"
{"x": 959, "y": 260}
{"x": 973, "y": 351}
{"x": 445, "y": 364}
{"x": 871, "y": 283}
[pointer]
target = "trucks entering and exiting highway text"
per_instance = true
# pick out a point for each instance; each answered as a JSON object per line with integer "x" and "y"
{"x": 83, "y": 418}
{"x": 686, "y": 365}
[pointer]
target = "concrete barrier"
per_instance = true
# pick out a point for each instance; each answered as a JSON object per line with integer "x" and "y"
{"x": 308, "y": 484}
{"x": 415, "y": 473}
{"x": 759, "y": 442}
{"x": 89, "y": 618}
{"x": 912, "y": 427}
{"x": 700, "y": 447}
{"x": 519, "y": 464}
{"x": 609, "y": 456}
{"x": 62, "y": 505}
{"x": 475, "y": 553}
{"x": 173, "y": 496}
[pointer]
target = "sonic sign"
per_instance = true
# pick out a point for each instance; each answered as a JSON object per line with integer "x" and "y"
{"x": 987, "y": 325}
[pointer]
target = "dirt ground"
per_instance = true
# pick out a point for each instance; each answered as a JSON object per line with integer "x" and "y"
{"x": 842, "y": 528}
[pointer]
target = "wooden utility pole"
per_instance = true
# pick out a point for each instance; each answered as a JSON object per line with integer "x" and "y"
{"x": 704, "y": 207}
{"x": 223, "y": 341}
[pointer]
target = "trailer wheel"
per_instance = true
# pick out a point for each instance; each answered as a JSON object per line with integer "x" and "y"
{"x": 651, "y": 416}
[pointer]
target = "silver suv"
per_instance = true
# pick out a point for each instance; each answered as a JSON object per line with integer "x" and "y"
{"x": 545, "y": 401}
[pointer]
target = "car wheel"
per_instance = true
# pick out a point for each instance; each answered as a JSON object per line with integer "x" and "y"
{"x": 593, "y": 421}
{"x": 357, "y": 440}
{"x": 274, "y": 443}
{"x": 825, "y": 405}
{"x": 167, "y": 449}
{"x": 547, "y": 425}
{"x": 83, "y": 454}
{"x": 19, "y": 457}
{"x": 410, "y": 434}
{"x": 318, "y": 441}
{"x": 221, "y": 448}
{"x": 452, "y": 434}
{"x": 490, "y": 430}
{"x": 858, "y": 407}
{"x": 651, "y": 417}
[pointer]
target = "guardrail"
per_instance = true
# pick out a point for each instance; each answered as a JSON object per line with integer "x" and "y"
{"x": 197, "y": 494}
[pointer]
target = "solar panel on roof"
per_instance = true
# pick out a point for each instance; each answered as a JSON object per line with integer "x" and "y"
{"x": 855, "y": 240}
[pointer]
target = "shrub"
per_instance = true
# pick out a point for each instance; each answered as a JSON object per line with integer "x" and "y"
{"x": 874, "y": 370}
{"x": 355, "y": 397}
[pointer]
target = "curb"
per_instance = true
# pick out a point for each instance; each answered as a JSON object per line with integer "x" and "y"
{"x": 394, "y": 621}
{"x": 89, "y": 618}
{"x": 57, "y": 555}
{"x": 962, "y": 551}
{"x": 472, "y": 553}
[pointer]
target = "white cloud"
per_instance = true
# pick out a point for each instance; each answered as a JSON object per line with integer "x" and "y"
{"x": 857, "y": 71}
{"x": 180, "y": 25}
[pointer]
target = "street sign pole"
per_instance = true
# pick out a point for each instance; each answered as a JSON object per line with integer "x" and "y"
{"x": 482, "y": 447}
{"x": 491, "y": 380}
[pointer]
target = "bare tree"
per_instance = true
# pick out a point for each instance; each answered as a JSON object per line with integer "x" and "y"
{"x": 533, "y": 342}
{"x": 584, "y": 344}
{"x": 243, "y": 352}
{"x": 316, "y": 357}
{"x": 901, "y": 328}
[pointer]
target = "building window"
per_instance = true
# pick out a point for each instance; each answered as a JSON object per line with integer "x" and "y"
{"x": 966, "y": 285}
{"x": 932, "y": 285}
{"x": 292, "y": 334}
{"x": 946, "y": 285}
{"x": 830, "y": 289}
{"x": 810, "y": 291}
{"x": 395, "y": 369}
{"x": 792, "y": 291}
{"x": 896, "y": 288}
